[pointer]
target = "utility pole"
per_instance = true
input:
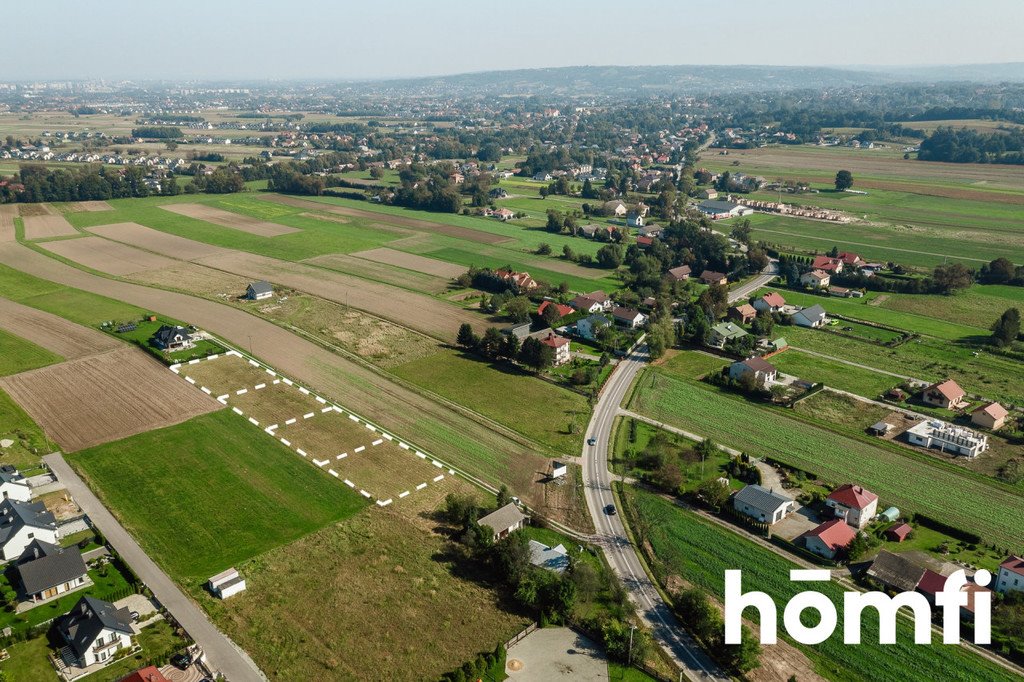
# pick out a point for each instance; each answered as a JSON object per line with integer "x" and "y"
{"x": 250, "y": 344}
{"x": 629, "y": 657}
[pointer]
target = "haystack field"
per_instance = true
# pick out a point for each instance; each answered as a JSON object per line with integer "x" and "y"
{"x": 235, "y": 221}
{"x": 107, "y": 256}
{"x": 42, "y": 222}
{"x": 105, "y": 397}
{"x": 147, "y": 238}
{"x": 53, "y": 333}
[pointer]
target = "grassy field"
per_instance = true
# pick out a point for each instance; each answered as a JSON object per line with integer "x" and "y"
{"x": 159, "y": 484}
{"x": 72, "y": 304}
{"x": 700, "y": 552}
{"x": 835, "y": 374}
{"x": 19, "y": 355}
{"x": 378, "y": 591}
{"x": 979, "y": 306}
{"x": 507, "y": 395}
{"x": 908, "y": 480}
{"x": 30, "y": 443}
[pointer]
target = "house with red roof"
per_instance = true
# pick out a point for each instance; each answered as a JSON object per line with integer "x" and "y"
{"x": 148, "y": 674}
{"x": 827, "y": 264}
{"x": 560, "y": 345}
{"x": 850, "y": 260}
{"x": 932, "y": 583}
{"x": 1011, "y": 576}
{"x": 520, "y": 281}
{"x": 771, "y": 302}
{"x": 645, "y": 242}
{"x": 991, "y": 416}
{"x": 898, "y": 532}
{"x": 562, "y": 309}
{"x": 743, "y": 313}
{"x": 853, "y": 504}
{"x": 829, "y": 538}
{"x": 945, "y": 394}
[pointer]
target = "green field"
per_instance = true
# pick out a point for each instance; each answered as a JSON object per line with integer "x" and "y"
{"x": 508, "y": 395}
{"x": 911, "y": 481}
{"x": 205, "y": 494}
{"x": 979, "y": 306}
{"x": 835, "y": 374}
{"x": 30, "y": 443}
{"x": 19, "y": 355}
{"x": 700, "y": 552}
{"x": 72, "y": 304}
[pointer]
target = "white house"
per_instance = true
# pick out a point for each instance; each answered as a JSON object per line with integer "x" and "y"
{"x": 13, "y": 485}
{"x": 762, "y": 370}
{"x": 259, "y": 291}
{"x": 934, "y": 433}
{"x": 226, "y": 584}
{"x": 588, "y": 327}
{"x": 813, "y": 317}
{"x": 1011, "y": 576}
{"x": 21, "y": 523}
{"x": 761, "y": 504}
{"x": 771, "y": 302}
{"x": 504, "y": 521}
{"x": 817, "y": 279}
{"x": 629, "y": 318}
{"x": 635, "y": 220}
{"x": 95, "y": 631}
{"x": 853, "y": 504}
{"x": 560, "y": 345}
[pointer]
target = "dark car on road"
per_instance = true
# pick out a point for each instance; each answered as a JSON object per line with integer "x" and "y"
{"x": 610, "y": 510}
{"x": 591, "y": 441}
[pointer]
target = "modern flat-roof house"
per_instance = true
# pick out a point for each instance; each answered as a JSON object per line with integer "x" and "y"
{"x": 259, "y": 291}
{"x": 560, "y": 345}
{"x": 717, "y": 210}
{"x": 744, "y": 313}
{"x": 172, "y": 337}
{"x": 554, "y": 559}
{"x": 503, "y": 521}
{"x": 47, "y": 570}
{"x": 762, "y": 505}
{"x": 226, "y": 584}
{"x": 724, "y": 332}
{"x": 680, "y": 273}
{"x": 629, "y": 318}
{"x": 13, "y": 485}
{"x": 958, "y": 440}
{"x": 771, "y": 302}
{"x": 853, "y": 504}
{"x": 762, "y": 370}
{"x": 991, "y": 416}
{"x": 20, "y": 524}
{"x": 817, "y": 279}
{"x": 829, "y": 538}
{"x": 1011, "y": 576}
{"x": 812, "y": 317}
{"x": 94, "y": 630}
{"x": 946, "y": 394}
{"x": 712, "y": 278}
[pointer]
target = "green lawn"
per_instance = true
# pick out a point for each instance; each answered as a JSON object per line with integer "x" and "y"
{"x": 700, "y": 552}
{"x": 109, "y": 585}
{"x": 512, "y": 397}
{"x": 909, "y": 480}
{"x": 211, "y": 492}
{"x": 20, "y": 355}
{"x": 143, "y": 334}
{"x": 836, "y": 374}
{"x": 73, "y": 304}
{"x": 30, "y": 443}
{"x": 979, "y": 306}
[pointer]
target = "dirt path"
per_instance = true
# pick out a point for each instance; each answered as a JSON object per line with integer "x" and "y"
{"x": 55, "y": 334}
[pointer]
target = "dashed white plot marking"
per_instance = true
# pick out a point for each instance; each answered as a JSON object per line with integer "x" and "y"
{"x": 377, "y": 442}
{"x": 332, "y": 472}
{"x": 320, "y": 462}
{"x": 421, "y": 455}
{"x": 438, "y": 477}
{"x": 336, "y": 409}
{"x": 342, "y": 456}
{"x": 193, "y": 362}
{"x": 354, "y": 418}
{"x": 421, "y": 486}
{"x": 175, "y": 368}
{"x": 236, "y": 410}
{"x": 271, "y": 372}
{"x": 404, "y": 446}
{"x": 436, "y": 463}
{"x": 190, "y": 380}
{"x": 320, "y": 400}
{"x": 289, "y": 422}
{"x": 405, "y": 494}
{"x": 370, "y": 426}
{"x": 388, "y": 436}
{"x": 222, "y": 399}
{"x": 254, "y": 363}
{"x": 360, "y": 448}
{"x": 286, "y": 442}
{"x": 349, "y": 483}
{"x": 287, "y": 381}
{"x": 234, "y": 352}
{"x": 270, "y": 429}
{"x": 364, "y": 494}
{"x": 309, "y": 415}
{"x": 241, "y": 391}
{"x": 205, "y": 390}
{"x": 258, "y": 387}
{"x": 254, "y": 422}
{"x": 326, "y": 409}
{"x": 212, "y": 357}
{"x": 303, "y": 389}
{"x": 300, "y": 451}
{"x": 384, "y": 503}
{"x": 451, "y": 471}
{"x": 276, "y": 382}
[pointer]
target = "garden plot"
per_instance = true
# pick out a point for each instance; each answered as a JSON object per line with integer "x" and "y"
{"x": 360, "y": 455}
{"x": 88, "y": 206}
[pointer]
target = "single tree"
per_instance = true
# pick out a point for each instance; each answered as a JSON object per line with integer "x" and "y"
{"x": 1006, "y": 329}
{"x": 466, "y": 337}
{"x": 844, "y": 180}
{"x": 950, "y": 278}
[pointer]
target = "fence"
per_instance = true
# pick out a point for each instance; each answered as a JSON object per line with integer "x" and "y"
{"x": 518, "y": 638}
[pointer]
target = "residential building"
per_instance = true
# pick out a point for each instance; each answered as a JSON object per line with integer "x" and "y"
{"x": 614, "y": 208}
{"x": 707, "y": 194}
{"x": 95, "y": 631}
{"x": 585, "y": 304}
{"x": 148, "y": 674}
{"x": 712, "y": 278}
{"x": 1010, "y": 577}
{"x": 816, "y": 279}
{"x": 850, "y": 260}
{"x": 723, "y": 332}
{"x": 763, "y": 371}
{"x": 933, "y": 433}
{"x": 173, "y": 337}
{"x": 635, "y": 220}
{"x": 945, "y": 394}
{"x": 259, "y": 291}
{"x": 827, "y": 264}
{"x": 226, "y": 584}
{"x": 762, "y": 504}
{"x": 542, "y": 176}
{"x": 629, "y": 318}
{"x": 771, "y": 302}
{"x": 589, "y": 327}
{"x": 718, "y": 210}
{"x": 13, "y": 485}
{"x": 680, "y": 273}
{"x": 645, "y": 242}
{"x": 20, "y": 524}
{"x": 560, "y": 346}
{"x": 933, "y": 583}
{"x": 991, "y": 416}
{"x": 812, "y": 317}
{"x": 520, "y": 331}
{"x": 554, "y": 559}
{"x": 743, "y": 313}
{"x": 829, "y": 538}
{"x": 504, "y": 521}
{"x": 520, "y": 282}
{"x": 504, "y": 214}
{"x": 650, "y": 231}
{"x": 47, "y": 570}
{"x": 853, "y": 504}
{"x": 562, "y": 309}
{"x": 895, "y": 572}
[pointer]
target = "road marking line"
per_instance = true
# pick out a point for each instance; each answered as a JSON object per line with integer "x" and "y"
{"x": 401, "y": 495}
{"x": 360, "y": 448}
{"x": 421, "y": 486}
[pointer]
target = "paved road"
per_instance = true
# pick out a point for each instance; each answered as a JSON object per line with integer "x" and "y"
{"x": 611, "y": 534}
{"x": 220, "y": 651}
{"x": 745, "y": 290}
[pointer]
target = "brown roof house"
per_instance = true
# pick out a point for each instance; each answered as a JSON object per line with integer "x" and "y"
{"x": 991, "y": 416}
{"x": 946, "y": 394}
{"x": 680, "y": 273}
{"x": 711, "y": 278}
{"x": 743, "y": 313}
{"x": 504, "y": 521}
{"x": 763, "y": 371}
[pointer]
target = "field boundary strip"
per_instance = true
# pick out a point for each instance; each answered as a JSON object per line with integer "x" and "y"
{"x": 328, "y": 407}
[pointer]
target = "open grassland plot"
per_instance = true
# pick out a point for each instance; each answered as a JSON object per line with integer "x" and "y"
{"x": 228, "y": 374}
{"x": 235, "y": 221}
{"x": 105, "y": 397}
{"x": 992, "y": 376}
{"x": 107, "y": 256}
{"x": 835, "y": 374}
{"x": 979, "y": 306}
{"x": 379, "y": 270}
{"x": 195, "y": 279}
{"x": 908, "y": 480}
{"x": 539, "y": 409}
{"x": 55, "y": 334}
{"x": 699, "y": 551}
{"x": 375, "y": 590}
{"x": 30, "y": 443}
{"x": 87, "y": 206}
{"x": 206, "y": 494}
{"x": 19, "y": 355}
{"x": 983, "y": 125}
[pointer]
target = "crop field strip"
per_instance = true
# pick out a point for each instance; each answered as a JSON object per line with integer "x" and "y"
{"x": 53, "y": 333}
{"x": 43, "y": 222}
{"x": 107, "y": 256}
{"x": 334, "y": 439}
{"x": 7, "y": 215}
{"x": 235, "y": 221}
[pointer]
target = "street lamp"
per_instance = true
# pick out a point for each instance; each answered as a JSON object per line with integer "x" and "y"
{"x": 629, "y": 657}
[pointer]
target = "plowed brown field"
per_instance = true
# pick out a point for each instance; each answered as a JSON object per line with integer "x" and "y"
{"x": 7, "y": 213}
{"x": 42, "y": 222}
{"x": 155, "y": 240}
{"x": 107, "y": 256}
{"x": 53, "y": 333}
{"x": 410, "y": 261}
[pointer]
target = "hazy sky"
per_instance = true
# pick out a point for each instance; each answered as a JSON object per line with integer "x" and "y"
{"x": 230, "y": 39}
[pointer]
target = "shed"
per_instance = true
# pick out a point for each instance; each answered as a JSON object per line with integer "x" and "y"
{"x": 258, "y": 291}
{"x": 227, "y": 584}
{"x": 558, "y": 469}
{"x": 898, "y": 532}
{"x": 879, "y": 428}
